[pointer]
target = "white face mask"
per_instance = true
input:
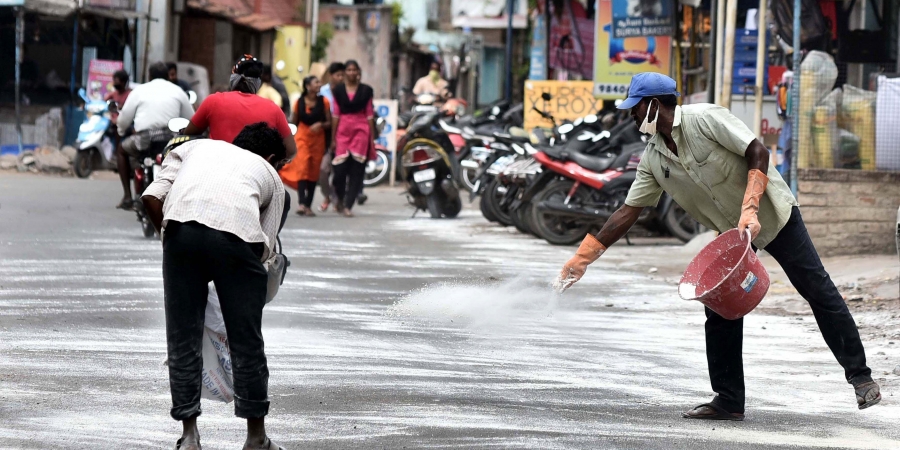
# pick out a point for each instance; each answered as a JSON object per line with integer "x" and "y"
{"x": 650, "y": 127}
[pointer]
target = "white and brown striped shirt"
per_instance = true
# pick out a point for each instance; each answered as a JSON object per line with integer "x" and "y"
{"x": 223, "y": 187}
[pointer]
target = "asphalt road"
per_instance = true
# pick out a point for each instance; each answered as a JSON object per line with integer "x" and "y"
{"x": 393, "y": 332}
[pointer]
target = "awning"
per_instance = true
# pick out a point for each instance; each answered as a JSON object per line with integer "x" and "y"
{"x": 119, "y": 14}
{"x": 241, "y": 13}
{"x": 473, "y": 22}
{"x": 59, "y": 8}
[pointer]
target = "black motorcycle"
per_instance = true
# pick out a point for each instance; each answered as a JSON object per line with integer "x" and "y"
{"x": 428, "y": 164}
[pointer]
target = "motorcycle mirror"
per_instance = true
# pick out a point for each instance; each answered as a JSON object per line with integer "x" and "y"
{"x": 591, "y": 118}
{"x": 279, "y": 66}
{"x": 293, "y": 128}
{"x": 177, "y": 124}
{"x": 192, "y": 97}
{"x": 565, "y": 128}
{"x": 546, "y": 96}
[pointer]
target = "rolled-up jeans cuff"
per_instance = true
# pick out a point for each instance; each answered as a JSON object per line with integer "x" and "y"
{"x": 186, "y": 411}
{"x": 250, "y": 409}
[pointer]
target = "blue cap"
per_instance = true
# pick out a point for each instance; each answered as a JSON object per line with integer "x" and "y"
{"x": 648, "y": 84}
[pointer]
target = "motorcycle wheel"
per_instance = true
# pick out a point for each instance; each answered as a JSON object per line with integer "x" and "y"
{"x": 494, "y": 193}
{"x": 452, "y": 208}
{"x": 83, "y": 163}
{"x": 466, "y": 178}
{"x": 520, "y": 221}
{"x": 485, "y": 209}
{"x": 680, "y": 224}
{"x": 377, "y": 170}
{"x": 555, "y": 229}
{"x": 435, "y": 203}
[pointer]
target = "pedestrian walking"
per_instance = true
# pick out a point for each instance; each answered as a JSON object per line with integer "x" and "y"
{"x": 714, "y": 167}
{"x": 312, "y": 115}
{"x": 354, "y": 132}
{"x": 219, "y": 229}
{"x": 335, "y": 78}
{"x": 225, "y": 114}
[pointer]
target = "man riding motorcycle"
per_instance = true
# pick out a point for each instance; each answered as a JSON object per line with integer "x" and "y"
{"x": 148, "y": 109}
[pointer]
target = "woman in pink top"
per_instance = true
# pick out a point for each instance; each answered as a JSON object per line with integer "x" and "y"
{"x": 353, "y": 142}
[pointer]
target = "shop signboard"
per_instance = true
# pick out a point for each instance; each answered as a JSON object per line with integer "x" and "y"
{"x": 632, "y": 18}
{"x": 616, "y": 60}
{"x": 569, "y": 100}
{"x": 388, "y": 109}
{"x": 100, "y": 77}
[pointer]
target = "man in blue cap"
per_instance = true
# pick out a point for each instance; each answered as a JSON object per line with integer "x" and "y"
{"x": 714, "y": 167}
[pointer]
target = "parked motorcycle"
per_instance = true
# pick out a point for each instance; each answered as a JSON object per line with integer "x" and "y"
{"x": 378, "y": 169}
{"x": 95, "y": 146}
{"x": 427, "y": 162}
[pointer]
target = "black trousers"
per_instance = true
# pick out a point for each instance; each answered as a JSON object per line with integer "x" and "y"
{"x": 194, "y": 255}
{"x": 794, "y": 251}
{"x": 348, "y": 181}
{"x": 307, "y": 191}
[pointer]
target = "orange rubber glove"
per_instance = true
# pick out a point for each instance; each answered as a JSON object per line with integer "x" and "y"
{"x": 588, "y": 252}
{"x": 756, "y": 187}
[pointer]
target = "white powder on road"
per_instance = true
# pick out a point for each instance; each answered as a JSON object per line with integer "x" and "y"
{"x": 476, "y": 304}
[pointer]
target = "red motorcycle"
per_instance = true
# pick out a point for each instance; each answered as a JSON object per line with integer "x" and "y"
{"x": 576, "y": 192}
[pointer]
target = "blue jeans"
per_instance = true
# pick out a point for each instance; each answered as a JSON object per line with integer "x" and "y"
{"x": 794, "y": 251}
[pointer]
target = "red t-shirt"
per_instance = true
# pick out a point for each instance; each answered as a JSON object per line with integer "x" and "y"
{"x": 227, "y": 113}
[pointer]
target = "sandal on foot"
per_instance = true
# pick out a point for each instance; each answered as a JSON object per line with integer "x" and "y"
{"x": 310, "y": 213}
{"x": 867, "y": 394}
{"x": 273, "y": 446}
{"x": 710, "y": 411}
{"x": 181, "y": 440}
{"x": 324, "y": 206}
{"x": 126, "y": 204}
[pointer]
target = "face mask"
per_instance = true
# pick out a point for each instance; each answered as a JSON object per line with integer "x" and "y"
{"x": 650, "y": 127}
{"x": 435, "y": 75}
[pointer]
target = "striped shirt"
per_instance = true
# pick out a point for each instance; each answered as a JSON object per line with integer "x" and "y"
{"x": 223, "y": 187}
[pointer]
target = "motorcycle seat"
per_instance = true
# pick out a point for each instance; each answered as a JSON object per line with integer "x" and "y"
{"x": 510, "y": 138}
{"x": 593, "y": 163}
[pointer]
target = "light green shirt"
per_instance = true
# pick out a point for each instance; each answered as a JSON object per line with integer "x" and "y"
{"x": 708, "y": 177}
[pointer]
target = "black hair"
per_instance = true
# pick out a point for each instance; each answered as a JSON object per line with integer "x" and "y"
{"x": 267, "y": 69}
{"x": 336, "y": 67}
{"x": 250, "y": 68}
{"x": 669, "y": 101}
{"x": 351, "y": 62}
{"x": 171, "y": 65}
{"x": 263, "y": 140}
{"x": 121, "y": 75}
{"x": 158, "y": 70}
{"x": 306, "y": 82}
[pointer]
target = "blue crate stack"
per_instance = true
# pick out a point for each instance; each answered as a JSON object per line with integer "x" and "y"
{"x": 744, "y": 74}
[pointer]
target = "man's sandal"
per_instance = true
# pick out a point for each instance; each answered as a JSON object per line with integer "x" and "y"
{"x": 710, "y": 411}
{"x": 180, "y": 440}
{"x": 867, "y": 394}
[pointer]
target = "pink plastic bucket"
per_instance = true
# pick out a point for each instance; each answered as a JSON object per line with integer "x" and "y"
{"x": 726, "y": 276}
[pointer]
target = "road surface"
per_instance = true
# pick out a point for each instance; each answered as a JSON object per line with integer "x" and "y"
{"x": 392, "y": 332}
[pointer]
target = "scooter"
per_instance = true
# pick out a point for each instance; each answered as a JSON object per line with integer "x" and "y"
{"x": 96, "y": 149}
{"x": 428, "y": 163}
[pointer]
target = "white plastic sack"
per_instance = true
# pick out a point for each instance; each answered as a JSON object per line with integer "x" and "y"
{"x": 217, "y": 378}
{"x": 887, "y": 124}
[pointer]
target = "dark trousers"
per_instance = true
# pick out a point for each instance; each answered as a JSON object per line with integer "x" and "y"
{"x": 794, "y": 251}
{"x": 307, "y": 191}
{"x": 348, "y": 181}
{"x": 194, "y": 255}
